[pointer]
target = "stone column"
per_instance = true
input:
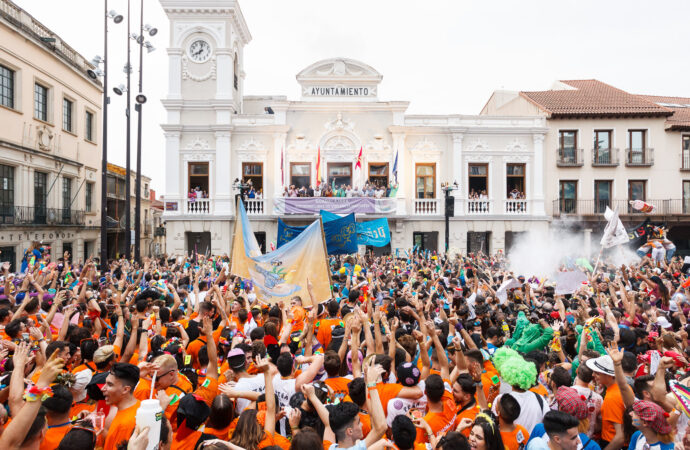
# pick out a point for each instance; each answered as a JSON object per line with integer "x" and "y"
{"x": 224, "y": 84}
{"x": 279, "y": 149}
{"x": 222, "y": 198}
{"x": 175, "y": 74}
{"x": 538, "y": 174}
{"x": 173, "y": 174}
{"x": 457, "y": 173}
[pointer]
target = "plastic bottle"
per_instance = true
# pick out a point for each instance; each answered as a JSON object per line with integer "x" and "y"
{"x": 150, "y": 415}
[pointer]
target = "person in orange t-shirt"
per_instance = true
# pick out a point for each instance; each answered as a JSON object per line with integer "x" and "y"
{"x": 324, "y": 327}
{"x": 119, "y": 391}
{"x": 514, "y": 435}
{"x": 613, "y": 408}
{"x": 441, "y": 415}
{"x": 464, "y": 391}
{"x": 58, "y": 417}
{"x": 168, "y": 379}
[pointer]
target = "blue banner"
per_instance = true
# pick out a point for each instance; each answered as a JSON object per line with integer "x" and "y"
{"x": 373, "y": 232}
{"x": 340, "y": 233}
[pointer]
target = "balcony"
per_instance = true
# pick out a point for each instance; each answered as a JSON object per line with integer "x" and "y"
{"x": 604, "y": 157}
{"x": 597, "y": 207}
{"x": 29, "y": 215}
{"x": 639, "y": 157}
{"x": 479, "y": 206}
{"x": 516, "y": 207}
{"x": 685, "y": 160}
{"x": 254, "y": 206}
{"x": 198, "y": 207}
{"x": 570, "y": 157}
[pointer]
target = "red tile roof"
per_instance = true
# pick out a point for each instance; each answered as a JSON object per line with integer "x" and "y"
{"x": 680, "y": 120}
{"x": 591, "y": 98}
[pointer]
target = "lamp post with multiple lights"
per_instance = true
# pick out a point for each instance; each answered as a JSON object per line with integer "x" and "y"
{"x": 94, "y": 74}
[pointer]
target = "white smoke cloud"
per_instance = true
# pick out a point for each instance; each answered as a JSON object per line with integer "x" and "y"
{"x": 542, "y": 255}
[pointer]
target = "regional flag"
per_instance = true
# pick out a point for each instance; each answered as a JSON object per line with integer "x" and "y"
{"x": 283, "y": 272}
{"x": 359, "y": 159}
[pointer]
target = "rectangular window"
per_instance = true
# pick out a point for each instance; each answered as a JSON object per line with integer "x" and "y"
{"x": 300, "y": 174}
{"x": 89, "y": 126}
{"x": 378, "y": 174}
{"x": 67, "y": 114}
{"x": 602, "y": 195}
{"x": 567, "y": 146}
{"x": 425, "y": 240}
{"x": 6, "y": 87}
{"x": 637, "y": 139}
{"x": 637, "y": 189}
{"x": 425, "y": 180}
{"x": 340, "y": 175}
{"x": 40, "y": 102}
{"x": 685, "y": 151}
{"x": 478, "y": 182}
{"x": 198, "y": 179}
{"x": 66, "y": 197}
{"x": 40, "y": 198}
{"x": 686, "y": 196}
{"x": 515, "y": 181}
{"x": 89, "y": 197}
{"x": 253, "y": 172}
{"x": 6, "y": 193}
{"x": 567, "y": 196}
{"x": 602, "y": 147}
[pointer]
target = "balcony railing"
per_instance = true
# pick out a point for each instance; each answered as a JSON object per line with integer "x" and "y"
{"x": 590, "y": 207}
{"x": 570, "y": 157}
{"x": 30, "y": 215}
{"x": 427, "y": 207}
{"x": 254, "y": 206}
{"x": 604, "y": 157}
{"x": 198, "y": 206}
{"x": 639, "y": 157}
{"x": 514, "y": 206}
{"x": 685, "y": 160}
{"x": 478, "y": 206}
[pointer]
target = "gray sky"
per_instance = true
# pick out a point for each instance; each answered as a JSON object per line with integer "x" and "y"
{"x": 444, "y": 56}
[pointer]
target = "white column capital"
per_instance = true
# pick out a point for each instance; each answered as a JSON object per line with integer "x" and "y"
{"x": 538, "y": 138}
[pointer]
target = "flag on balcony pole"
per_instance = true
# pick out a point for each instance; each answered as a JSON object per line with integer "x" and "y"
{"x": 318, "y": 167}
{"x": 359, "y": 159}
{"x": 395, "y": 167}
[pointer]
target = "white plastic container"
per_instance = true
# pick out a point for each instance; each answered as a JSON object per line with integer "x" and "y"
{"x": 150, "y": 415}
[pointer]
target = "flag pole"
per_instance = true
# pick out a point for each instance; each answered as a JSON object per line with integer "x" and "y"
{"x": 598, "y": 258}
{"x": 325, "y": 251}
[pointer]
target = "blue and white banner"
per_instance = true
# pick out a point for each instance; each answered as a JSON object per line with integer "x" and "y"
{"x": 374, "y": 232}
{"x": 340, "y": 234}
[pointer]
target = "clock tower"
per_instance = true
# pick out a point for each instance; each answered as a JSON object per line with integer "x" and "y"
{"x": 205, "y": 88}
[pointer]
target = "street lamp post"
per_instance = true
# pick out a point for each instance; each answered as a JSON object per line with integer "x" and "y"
{"x": 128, "y": 190}
{"x": 106, "y": 100}
{"x": 449, "y": 208}
{"x": 140, "y": 100}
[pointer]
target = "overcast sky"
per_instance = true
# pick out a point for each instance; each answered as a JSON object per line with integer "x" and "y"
{"x": 444, "y": 56}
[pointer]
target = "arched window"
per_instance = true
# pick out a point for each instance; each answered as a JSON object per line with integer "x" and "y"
{"x": 235, "y": 71}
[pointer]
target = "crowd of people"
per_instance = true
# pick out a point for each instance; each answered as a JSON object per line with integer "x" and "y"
{"x": 413, "y": 351}
{"x": 370, "y": 189}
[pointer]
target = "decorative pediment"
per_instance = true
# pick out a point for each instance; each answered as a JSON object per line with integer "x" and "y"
{"x": 339, "y": 69}
{"x": 378, "y": 150}
{"x": 516, "y": 158}
{"x": 479, "y": 158}
{"x": 339, "y": 124}
{"x": 252, "y": 150}
{"x": 198, "y": 157}
{"x": 478, "y": 145}
{"x": 198, "y": 144}
{"x": 426, "y": 151}
{"x": 516, "y": 146}
{"x": 301, "y": 144}
{"x": 339, "y": 143}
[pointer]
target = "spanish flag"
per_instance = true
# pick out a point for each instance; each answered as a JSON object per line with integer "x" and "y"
{"x": 318, "y": 167}
{"x": 359, "y": 159}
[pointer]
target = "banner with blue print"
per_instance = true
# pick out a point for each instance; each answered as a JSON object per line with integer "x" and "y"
{"x": 374, "y": 232}
{"x": 340, "y": 234}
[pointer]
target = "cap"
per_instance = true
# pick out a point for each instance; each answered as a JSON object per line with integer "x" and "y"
{"x": 103, "y": 353}
{"x": 570, "y": 401}
{"x": 653, "y": 414}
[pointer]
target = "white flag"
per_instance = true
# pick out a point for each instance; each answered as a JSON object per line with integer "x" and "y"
{"x": 614, "y": 233}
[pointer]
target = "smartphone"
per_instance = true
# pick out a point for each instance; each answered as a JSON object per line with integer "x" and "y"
{"x": 416, "y": 413}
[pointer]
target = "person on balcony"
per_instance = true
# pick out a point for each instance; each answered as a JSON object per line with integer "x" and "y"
{"x": 251, "y": 193}
{"x": 260, "y": 194}
{"x": 293, "y": 191}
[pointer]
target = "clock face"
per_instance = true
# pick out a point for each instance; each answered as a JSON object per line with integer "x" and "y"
{"x": 199, "y": 51}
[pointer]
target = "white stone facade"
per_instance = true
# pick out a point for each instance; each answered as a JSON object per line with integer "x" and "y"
{"x": 212, "y": 124}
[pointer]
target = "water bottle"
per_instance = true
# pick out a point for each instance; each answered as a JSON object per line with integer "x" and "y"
{"x": 150, "y": 415}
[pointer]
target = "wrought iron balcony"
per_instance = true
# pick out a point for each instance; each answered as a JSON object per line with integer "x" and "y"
{"x": 604, "y": 157}
{"x": 36, "y": 215}
{"x": 639, "y": 157}
{"x": 570, "y": 157}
